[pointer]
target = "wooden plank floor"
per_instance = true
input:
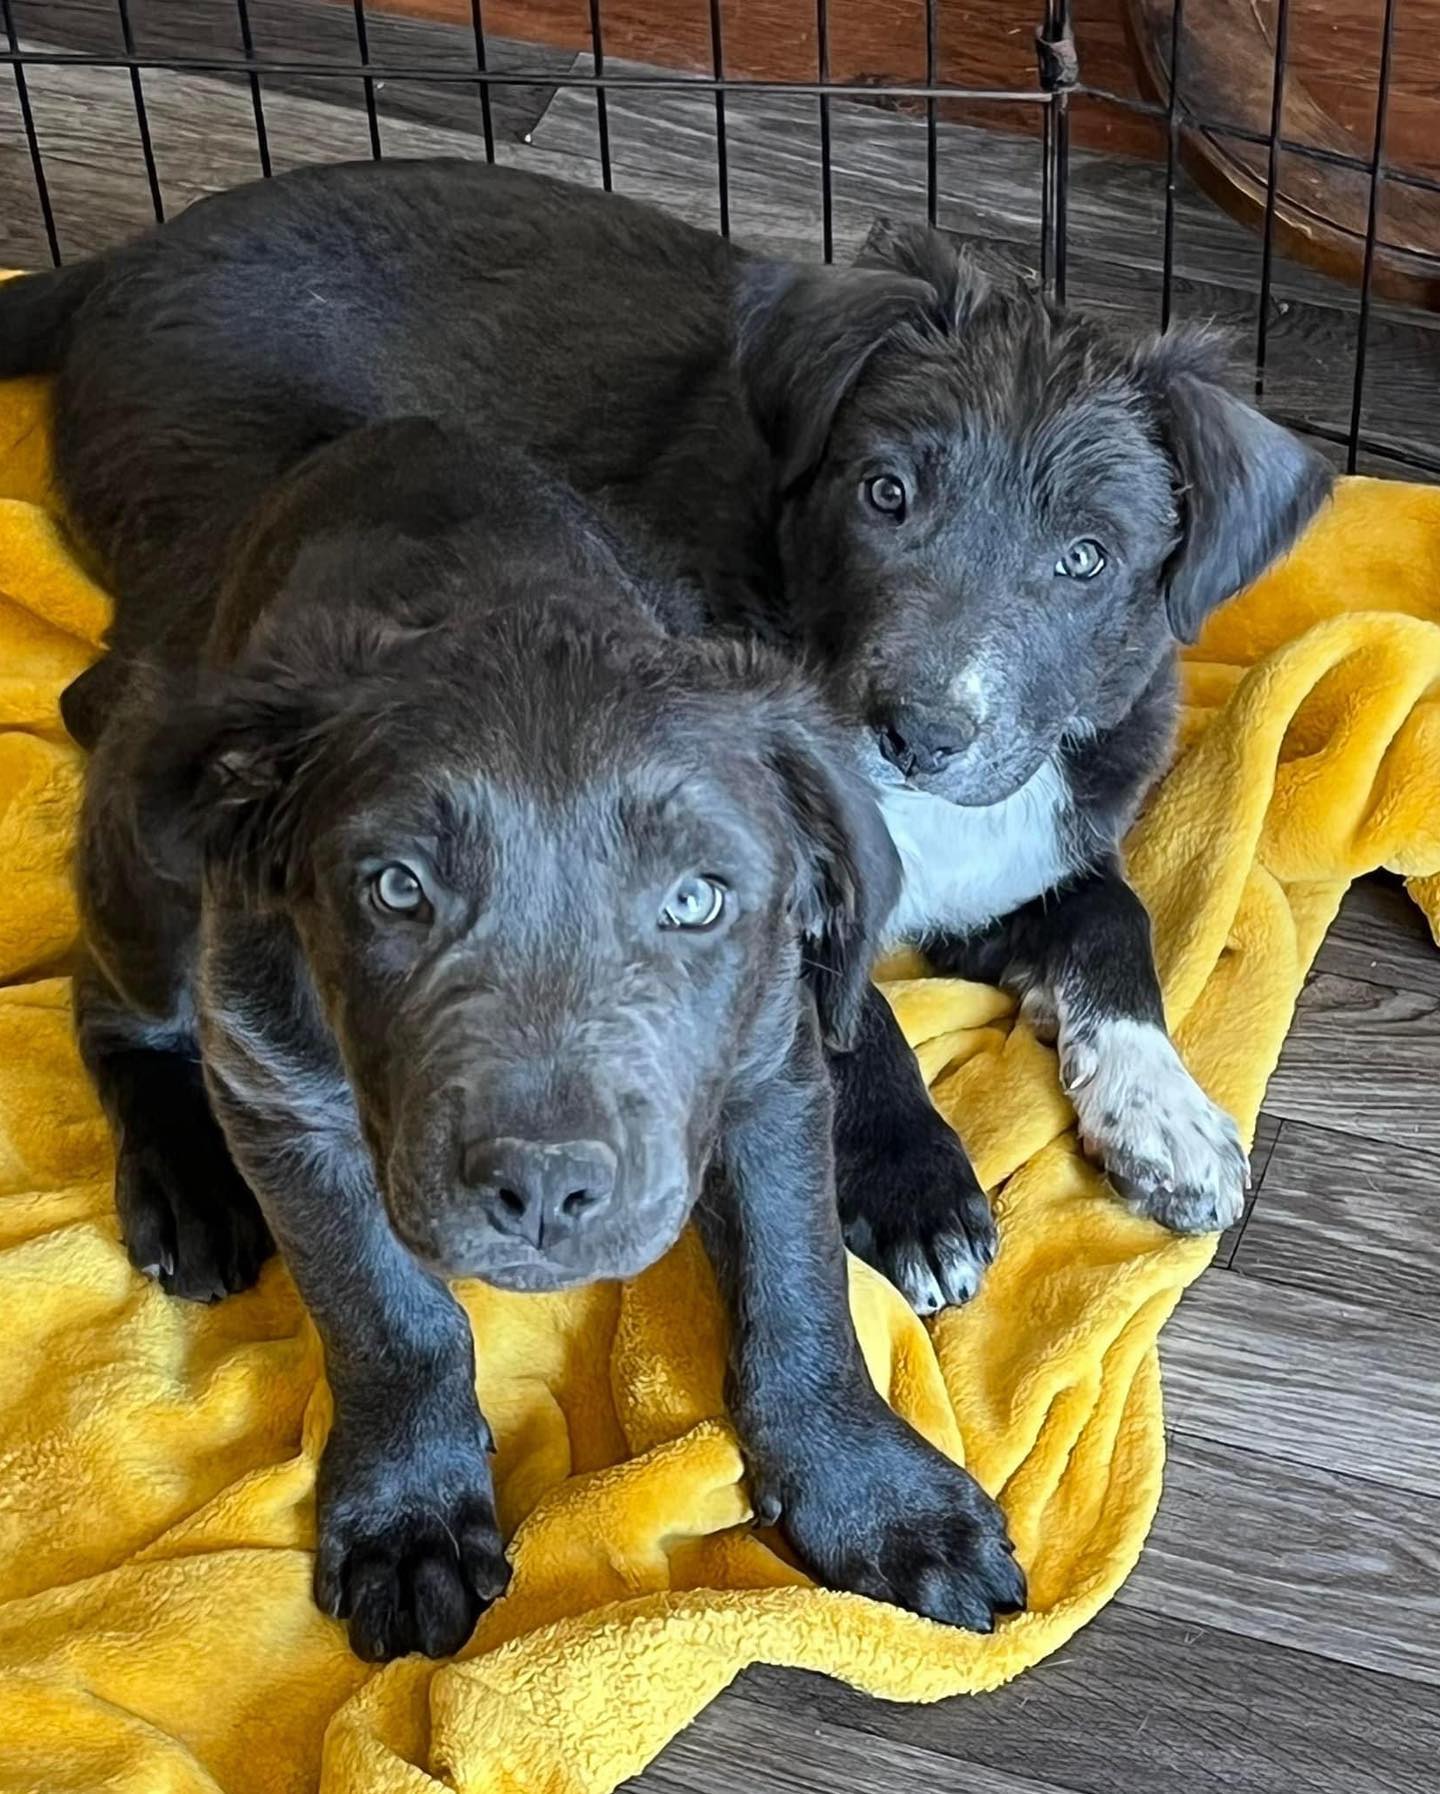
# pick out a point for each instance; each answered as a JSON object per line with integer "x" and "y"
{"x": 1282, "y": 1631}
{"x": 663, "y": 148}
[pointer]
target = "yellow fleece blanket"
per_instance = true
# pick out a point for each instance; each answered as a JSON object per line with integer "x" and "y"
{"x": 157, "y": 1459}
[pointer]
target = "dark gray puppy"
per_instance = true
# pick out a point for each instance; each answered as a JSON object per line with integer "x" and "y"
{"x": 490, "y": 914}
{"x": 987, "y": 522}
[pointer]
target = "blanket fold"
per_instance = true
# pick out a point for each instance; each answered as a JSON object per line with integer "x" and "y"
{"x": 156, "y": 1459}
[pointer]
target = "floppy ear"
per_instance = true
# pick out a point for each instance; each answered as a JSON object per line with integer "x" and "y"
{"x": 848, "y": 876}
{"x": 959, "y": 284}
{"x": 229, "y": 774}
{"x": 1246, "y": 486}
{"x": 803, "y": 335}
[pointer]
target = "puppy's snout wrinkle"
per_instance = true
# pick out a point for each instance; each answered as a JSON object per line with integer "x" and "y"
{"x": 540, "y": 1191}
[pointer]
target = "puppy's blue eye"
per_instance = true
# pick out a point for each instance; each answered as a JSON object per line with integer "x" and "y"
{"x": 887, "y": 493}
{"x": 396, "y": 890}
{"x": 695, "y": 902}
{"x": 1081, "y": 560}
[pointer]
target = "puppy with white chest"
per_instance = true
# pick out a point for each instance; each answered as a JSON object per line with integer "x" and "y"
{"x": 984, "y": 522}
{"x": 1024, "y": 513}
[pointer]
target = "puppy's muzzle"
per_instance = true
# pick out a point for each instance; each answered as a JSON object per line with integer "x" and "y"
{"x": 539, "y": 1191}
{"x": 919, "y": 740}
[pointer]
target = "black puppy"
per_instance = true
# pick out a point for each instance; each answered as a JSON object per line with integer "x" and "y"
{"x": 490, "y": 914}
{"x": 985, "y": 521}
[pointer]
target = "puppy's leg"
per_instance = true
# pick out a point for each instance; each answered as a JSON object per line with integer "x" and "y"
{"x": 869, "y": 1505}
{"x": 1082, "y": 963}
{"x": 408, "y": 1551}
{"x": 909, "y": 1202}
{"x": 186, "y": 1215}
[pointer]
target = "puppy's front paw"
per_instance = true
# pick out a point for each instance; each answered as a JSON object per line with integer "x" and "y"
{"x": 188, "y": 1218}
{"x": 912, "y": 1207}
{"x": 1170, "y": 1152}
{"x": 875, "y": 1510}
{"x": 408, "y": 1552}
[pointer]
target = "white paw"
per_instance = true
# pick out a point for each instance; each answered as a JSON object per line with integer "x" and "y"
{"x": 1167, "y": 1149}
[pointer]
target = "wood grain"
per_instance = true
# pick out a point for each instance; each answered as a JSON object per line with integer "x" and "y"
{"x": 1362, "y": 1058}
{"x": 739, "y": 1743}
{"x": 1349, "y": 1217}
{"x": 989, "y": 183}
{"x": 203, "y": 136}
{"x": 1320, "y": 208}
{"x": 1305, "y": 1377}
{"x": 1311, "y": 349}
{"x": 311, "y": 30}
{"x": 1142, "y": 1704}
{"x": 1337, "y": 50}
{"x": 1380, "y": 937}
{"x": 1267, "y": 1132}
{"x": 1334, "y": 53}
{"x": 662, "y": 146}
{"x": 982, "y": 44}
{"x": 1303, "y": 1557}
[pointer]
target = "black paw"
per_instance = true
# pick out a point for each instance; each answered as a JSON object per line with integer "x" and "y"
{"x": 911, "y": 1205}
{"x": 409, "y": 1553}
{"x": 188, "y": 1218}
{"x": 873, "y": 1509}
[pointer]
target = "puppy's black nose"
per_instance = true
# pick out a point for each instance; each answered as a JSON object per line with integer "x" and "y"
{"x": 540, "y": 1190}
{"x": 921, "y": 741}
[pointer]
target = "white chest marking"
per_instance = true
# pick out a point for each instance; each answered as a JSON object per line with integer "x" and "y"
{"x": 964, "y": 867}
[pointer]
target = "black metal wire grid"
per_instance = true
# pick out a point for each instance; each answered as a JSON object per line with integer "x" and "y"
{"x": 1058, "y": 83}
